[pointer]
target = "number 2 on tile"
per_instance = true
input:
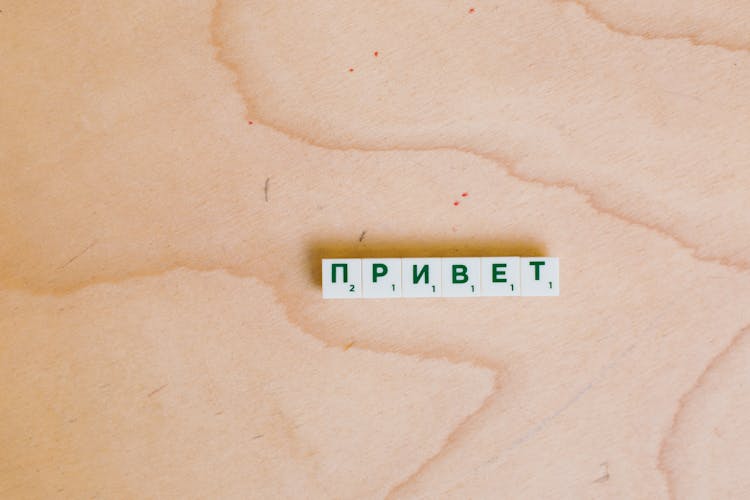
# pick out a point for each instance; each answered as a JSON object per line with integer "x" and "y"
{"x": 351, "y": 288}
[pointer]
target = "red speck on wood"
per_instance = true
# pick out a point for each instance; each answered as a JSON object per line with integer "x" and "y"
{"x": 249, "y": 122}
{"x": 375, "y": 53}
{"x": 471, "y": 10}
{"x": 464, "y": 194}
{"x": 455, "y": 203}
{"x": 351, "y": 70}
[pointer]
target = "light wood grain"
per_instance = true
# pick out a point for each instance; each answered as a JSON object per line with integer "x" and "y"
{"x": 172, "y": 175}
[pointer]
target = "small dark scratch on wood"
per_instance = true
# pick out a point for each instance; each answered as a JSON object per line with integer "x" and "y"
{"x": 362, "y": 236}
{"x": 265, "y": 188}
{"x": 258, "y": 436}
{"x": 76, "y": 256}
{"x": 156, "y": 390}
{"x": 604, "y": 477}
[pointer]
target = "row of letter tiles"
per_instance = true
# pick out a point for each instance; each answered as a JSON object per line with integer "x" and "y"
{"x": 441, "y": 277}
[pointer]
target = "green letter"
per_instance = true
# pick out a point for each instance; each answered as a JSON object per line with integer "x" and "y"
{"x": 497, "y": 272}
{"x": 536, "y": 264}
{"x": 425, "y": 271}
{"x": 378, "y": 270}
{"x": 460, "y": 274}
{"x": 346, "y": 272}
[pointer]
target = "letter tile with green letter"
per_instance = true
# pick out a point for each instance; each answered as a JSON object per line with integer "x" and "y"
{"x": 342, "y": 278}
{"x": 381, "y": 278}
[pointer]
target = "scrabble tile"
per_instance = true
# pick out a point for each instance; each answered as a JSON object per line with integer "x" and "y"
{"x": 462, "y": 277}
{"x": 381, "y": 278}
{"x": 342, "y": 278}
{"x": 501, "y": 276}
{"x": 540, "y": 276}
{"x": 421, "y": 277}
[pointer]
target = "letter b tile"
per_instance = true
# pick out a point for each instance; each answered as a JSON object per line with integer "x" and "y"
{"x": 342, "y": 278}
{"x": 461, "y": 277}
{"x": 381, "y": 278}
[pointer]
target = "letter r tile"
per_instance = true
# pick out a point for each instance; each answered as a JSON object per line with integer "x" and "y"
{"x": 381, "y": 278}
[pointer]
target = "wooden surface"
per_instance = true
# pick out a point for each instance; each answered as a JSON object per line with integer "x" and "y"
{"x": 172, "y": 173}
